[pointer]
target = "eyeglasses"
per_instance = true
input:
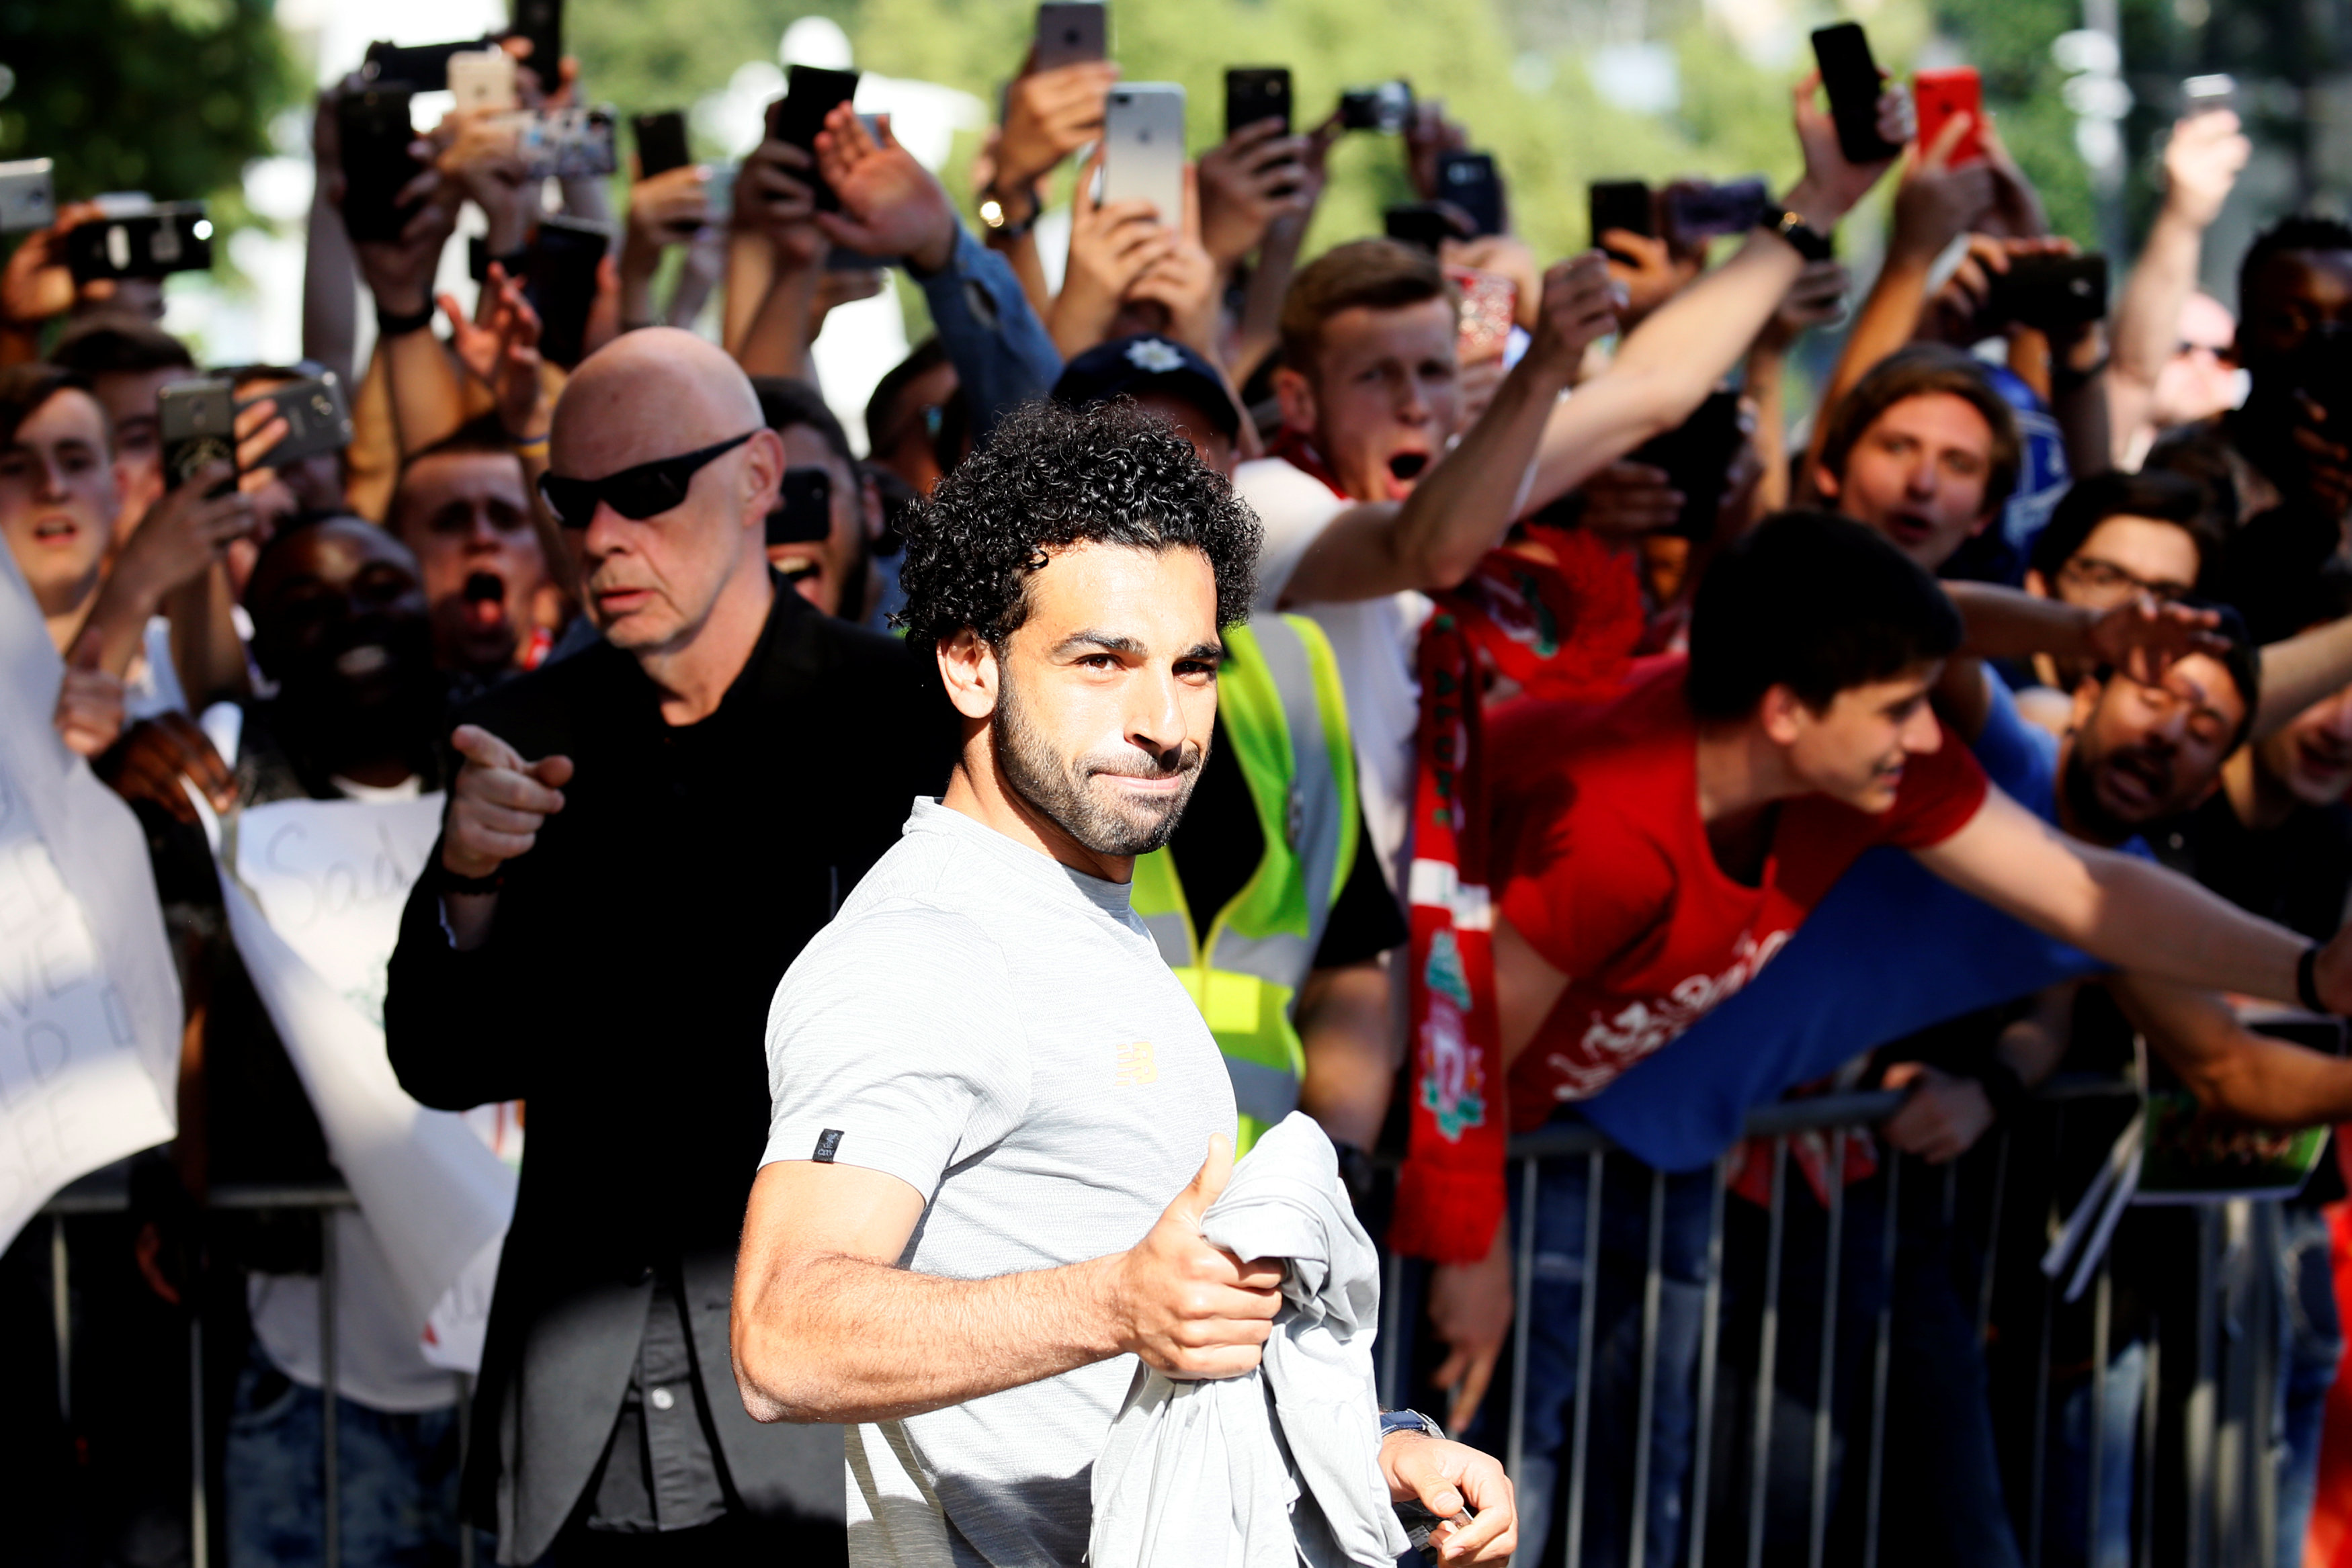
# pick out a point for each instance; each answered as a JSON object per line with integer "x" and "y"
{"x": 645, "y": 491}
{"x": 2091, "y": 572}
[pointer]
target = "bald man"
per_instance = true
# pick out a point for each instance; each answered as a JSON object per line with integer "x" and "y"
{"x": 639, "y": 839}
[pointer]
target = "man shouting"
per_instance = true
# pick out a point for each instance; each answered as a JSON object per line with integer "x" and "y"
{"x": 992, "y": 1098}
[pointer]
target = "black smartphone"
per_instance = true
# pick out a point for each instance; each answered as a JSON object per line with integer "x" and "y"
{"x": 1254, "y": 93}
{"x": 318, "y": 419}
{"x": 1071, "y": 32}
{"x": 373, "y": 131}
{"x": 561, "y": 281}
{"x": 1697, "y": 456}
{"x": 1426, "y": 225}
{"x": 1385, "y": 107}
{"x": 803, "y": 508}
{"x": 541, "y": 23}
{"x": 196, "y": 421}
{"x": 1469, "y": 181}
{"x": 1699, "y": 211}
{"x": 1850, "y": 75}
{"x": 2051, "y": 292}
{"x": 661, "y": 142}
{"x": 1623, "y": 204}
{"x": 810, "y": 94}
{"x": 420, "y": 67}
{"x": 175, "y": 236}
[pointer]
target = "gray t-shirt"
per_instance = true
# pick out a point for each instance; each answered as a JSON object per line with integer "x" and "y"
{"x": 998, "y": 1031}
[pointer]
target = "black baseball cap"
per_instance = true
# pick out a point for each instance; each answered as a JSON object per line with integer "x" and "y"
{"x": 1145, "y": 364}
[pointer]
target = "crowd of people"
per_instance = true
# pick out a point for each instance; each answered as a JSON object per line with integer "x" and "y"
{"x": 1320, "y": 688}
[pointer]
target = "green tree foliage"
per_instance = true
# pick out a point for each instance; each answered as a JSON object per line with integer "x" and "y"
{"x": 171, "y": 97}
{"x": 2008, "y": 43}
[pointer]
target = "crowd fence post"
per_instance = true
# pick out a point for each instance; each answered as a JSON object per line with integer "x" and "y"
{"x": 1588, "y": 1295}
{"x": 1710, "y": 1345}
{"x": 1768, "y": 1338}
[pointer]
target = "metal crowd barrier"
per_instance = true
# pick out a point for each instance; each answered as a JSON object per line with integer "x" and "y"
{"x": 2226, "y": 1458}
{"x": 2231, "y": 1508}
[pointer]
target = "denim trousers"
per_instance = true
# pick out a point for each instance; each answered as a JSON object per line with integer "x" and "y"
{"x": 1554, "y": 1328}
{"x": 396, "y": 1480}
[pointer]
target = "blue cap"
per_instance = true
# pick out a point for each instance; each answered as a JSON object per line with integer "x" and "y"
{"x": 1141, "y": 365}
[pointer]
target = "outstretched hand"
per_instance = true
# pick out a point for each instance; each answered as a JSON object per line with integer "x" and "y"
{"x": 502, "y": 353}
{"x": 499, "y": 803}
{"x": 1832, "y": 185}
{"x": 890, "y": 204}
{"x": 2143, "y": 638}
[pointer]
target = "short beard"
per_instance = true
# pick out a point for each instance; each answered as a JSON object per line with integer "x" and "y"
{"x": 1058, "y": 787}
{"x": 2091, "y": 818}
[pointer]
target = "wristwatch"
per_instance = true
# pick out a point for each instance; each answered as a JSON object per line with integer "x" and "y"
{"x": 998, "y": 219}
{"x": 1804, "y": 238}
{"x": 1407, "y": 1421}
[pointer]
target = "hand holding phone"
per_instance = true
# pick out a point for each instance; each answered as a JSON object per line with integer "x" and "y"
{"x": 1143, "y": 145}
{"x": 794, "y": 118}
{"x": 1941, "y": 96}
{"x": 194, "y": 421}
{"x": 1850, "y": 78}
{"x": 1256, "y": 93}
{"x": 1623, "y": 204}
{"x": 373, "y": 133}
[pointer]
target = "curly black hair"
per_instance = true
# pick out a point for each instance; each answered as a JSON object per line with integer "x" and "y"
{"x": 1052, "y": 476}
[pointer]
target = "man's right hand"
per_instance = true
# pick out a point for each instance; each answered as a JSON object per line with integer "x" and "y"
{"x": 1189, "y": 1309}
{"x": 1579, "y": 308}
{"x": 2201, "y": 160}
{"x": 499, "y": 802}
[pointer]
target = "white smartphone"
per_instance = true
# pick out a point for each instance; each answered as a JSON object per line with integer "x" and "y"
{"x": 28, "y": 198}
{"x": 1143, "y": 138}
{"x": 483, "y": 80}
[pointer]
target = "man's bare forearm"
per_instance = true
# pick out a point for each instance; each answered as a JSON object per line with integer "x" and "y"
{"x": 2299, "y": 671}
{"x": 428, "y": 395}
{"x": 2007, "y": 623}
{"x": 837, "y": 1338}
{"x": 2230, "y": 1067}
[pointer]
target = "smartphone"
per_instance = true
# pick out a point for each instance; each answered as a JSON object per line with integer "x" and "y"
{"x": 28, "y": 198}
{"x": 1070, "y": 32}
{"x": 1143, "y": 137}
{"x": 1850, "y": 75}
{"x": 2051, "y": 292}
{"x": 1470, "y": 182}
{"x": 373, "y": 127}
{"x": 483, "y": 80}
{"x": 175, "y": 236}
{"x": 805, "y": 508}
{"x": 420, "y": 67}
{"x": 568, "y": 143}
{"x": 1384, "y": 107}
{"x": 196, "y": 421}
{"x": 1623, "y": 204}
{"x": 1254, "y": 93}
{"x": 1697, "y": 456}
{"x": 1490, "y": 305}
{"x": 1938, "y": 96}
{"x": 318, "y": 418}
{"x": 1697, "y": 209}
{"x": 561, "y": 281}
{"x": 1427, "y": 225}
{"x": 661, "y": 142}
{"x": 2201, "y": 95}
{"x": 810, "y": 94}
{"x": 541, "y": 23}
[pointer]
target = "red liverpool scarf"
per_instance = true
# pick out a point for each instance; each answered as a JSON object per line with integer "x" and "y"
{"x": 1559, "y": 629}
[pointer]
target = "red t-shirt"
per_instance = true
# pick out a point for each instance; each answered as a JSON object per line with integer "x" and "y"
{"x": 1604, "y": 867}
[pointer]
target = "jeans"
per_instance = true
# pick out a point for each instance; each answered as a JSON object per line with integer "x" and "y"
{"x": 396, "y": 1480}
{"x": 1556, "y": 1297}
{"x": 2311, "y": 1344}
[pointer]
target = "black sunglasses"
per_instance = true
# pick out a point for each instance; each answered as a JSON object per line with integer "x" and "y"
{"x": 645, "y": 491}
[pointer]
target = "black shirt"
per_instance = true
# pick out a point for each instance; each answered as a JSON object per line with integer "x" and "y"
{"x": 1219, "y": 842}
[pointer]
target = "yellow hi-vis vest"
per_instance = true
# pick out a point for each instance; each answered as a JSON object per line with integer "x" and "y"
{"x": 1287, "y": 720}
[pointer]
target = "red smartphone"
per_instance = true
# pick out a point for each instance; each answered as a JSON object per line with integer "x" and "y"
{"x": 1938, "y": 96}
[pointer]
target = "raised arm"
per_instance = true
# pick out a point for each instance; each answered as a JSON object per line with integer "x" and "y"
{"x": 2129, "y": 911}
{"x": 828, "y": 1327}
{"x": 1437, "y": 537}
{"x": 1665, "y": 366}
{"x": 2201, "y": 160}
{"x": 2229, "y": 1067}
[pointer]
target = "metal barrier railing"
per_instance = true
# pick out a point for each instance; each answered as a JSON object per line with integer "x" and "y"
{"x": 2229, "y": 1504}
{"x": 2224, "y": 1462}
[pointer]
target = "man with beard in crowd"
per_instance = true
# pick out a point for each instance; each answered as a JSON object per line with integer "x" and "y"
{"x": 640, "y": 838}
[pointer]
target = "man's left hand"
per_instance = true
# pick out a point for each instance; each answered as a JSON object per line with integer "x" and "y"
{"x": 1446, "y": 1477}
{"x": 2142, "y": 638}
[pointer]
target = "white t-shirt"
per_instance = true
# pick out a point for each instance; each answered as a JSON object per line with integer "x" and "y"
{"x": 999, "y": 1032}
{"x": 1374, "y": 641}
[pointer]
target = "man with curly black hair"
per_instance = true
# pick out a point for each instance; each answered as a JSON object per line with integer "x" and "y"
{"x": 991, "y": 1095}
